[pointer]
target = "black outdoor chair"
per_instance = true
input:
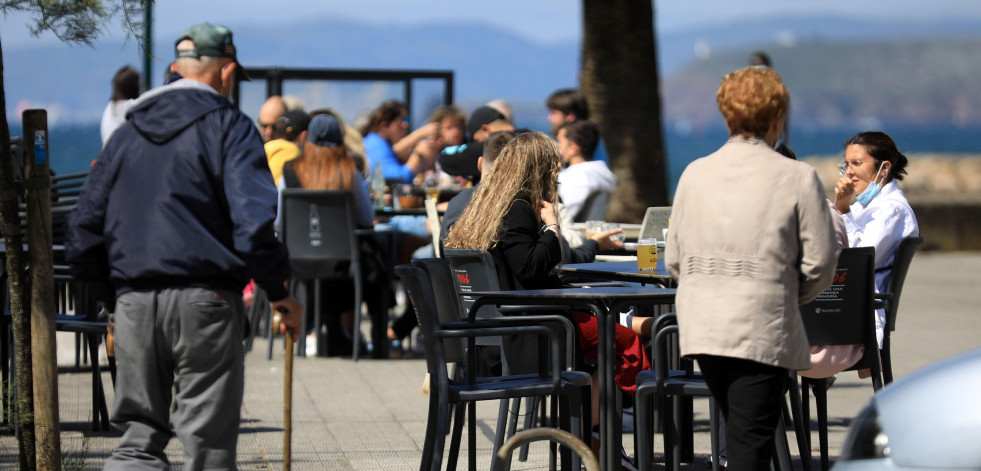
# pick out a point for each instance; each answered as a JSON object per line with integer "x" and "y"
{"x": 594, "y": 208}
{"x": 76, "y": 311}
{"x": 318, "y": 229}
{"x": 661, "y": 382}
{"x": 663, "y": 386}
{"x": 842, "y": 315}
{"x": 900, "y": 266}
{"x": 474, "y": 270}
{"x": 444, "y": 346}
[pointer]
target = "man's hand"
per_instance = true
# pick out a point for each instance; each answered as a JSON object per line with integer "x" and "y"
{"x": 291, "y": 311}
{"x": 605, "y": 242}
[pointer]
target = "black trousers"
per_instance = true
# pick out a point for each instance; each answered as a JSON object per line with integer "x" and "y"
{"x": 749, "y": 395}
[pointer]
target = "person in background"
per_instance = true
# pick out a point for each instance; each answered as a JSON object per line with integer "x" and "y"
{"x": 880, "y": 216}
{"x": 387, "y": 141}
{"x": 175, "y": 216}
{"x": 325, "y": 165}
{"x": 748, "y": 206}
{"x": 504, "y": 108}
{"x": 125, "y": 89}
{"x": 171, "y": 75}
{"x": 270, "y": 111}
{"x": 353, "y": 141}
{"x": 760, "y": 59}
{"x": 582, "y": 175}
{"x": 461, "y": 160}
{"x": 565, "y": 106}
{"x": 568, "y": 105}
{"x": 288, "y": 135}
{"x": 450, "y": 122}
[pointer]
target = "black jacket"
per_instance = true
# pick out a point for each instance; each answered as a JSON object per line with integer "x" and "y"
{"x": 526, "y": 256}
{"x": 180, "y": 196}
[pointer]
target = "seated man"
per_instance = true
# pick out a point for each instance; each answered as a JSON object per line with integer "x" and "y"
{"x": 583, "y": 175}
{"x": 288, "y": 135}
{"x": 461, "y": 160}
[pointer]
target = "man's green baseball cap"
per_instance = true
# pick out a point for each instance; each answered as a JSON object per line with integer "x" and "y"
{"x": 210, "y": 40}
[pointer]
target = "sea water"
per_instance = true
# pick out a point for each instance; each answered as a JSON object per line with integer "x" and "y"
{"x": 73, "y": 148}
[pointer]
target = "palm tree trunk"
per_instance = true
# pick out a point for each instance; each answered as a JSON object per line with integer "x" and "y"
{"x": 620, "y": 81}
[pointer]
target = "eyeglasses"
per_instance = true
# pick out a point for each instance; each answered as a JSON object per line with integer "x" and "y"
{"x": 262, "y": 125}
{"x": 854, "y": 164}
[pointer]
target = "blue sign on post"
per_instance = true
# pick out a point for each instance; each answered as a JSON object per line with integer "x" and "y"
{"x": 40, "y": 148}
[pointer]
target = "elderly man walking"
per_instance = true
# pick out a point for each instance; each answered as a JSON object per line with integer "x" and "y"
{"x": 176, "y": 216}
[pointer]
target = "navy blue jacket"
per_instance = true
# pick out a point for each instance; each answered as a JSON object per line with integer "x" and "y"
{"x": 179, "y": 197}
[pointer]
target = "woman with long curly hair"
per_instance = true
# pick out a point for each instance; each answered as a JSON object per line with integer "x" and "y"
{"x": 512, "y": 216}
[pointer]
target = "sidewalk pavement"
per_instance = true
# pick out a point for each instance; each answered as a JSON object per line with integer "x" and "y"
{"x": 371, "y": 415}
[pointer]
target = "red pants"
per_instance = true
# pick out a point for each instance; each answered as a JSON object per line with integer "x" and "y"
{"x": 631, "y": 356}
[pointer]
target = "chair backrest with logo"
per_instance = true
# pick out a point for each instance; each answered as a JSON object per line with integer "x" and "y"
{"x": 319, "y": 231}
{"x": 843, "y": 314}
{"x": 473, "y": 270}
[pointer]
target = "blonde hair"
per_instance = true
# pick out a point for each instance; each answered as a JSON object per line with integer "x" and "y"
{"x": 324, "y": 168}
{"x": 527, "y": 169}
{"x": 750, "y": 99}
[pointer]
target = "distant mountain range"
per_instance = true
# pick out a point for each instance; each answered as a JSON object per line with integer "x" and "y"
{"x": 840, "y": 71}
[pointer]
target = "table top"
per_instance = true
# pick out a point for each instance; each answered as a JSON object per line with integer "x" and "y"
{"x": 390, "y": 211}
{"x": 581, "y": 294}
{"x": 617, "y": 271}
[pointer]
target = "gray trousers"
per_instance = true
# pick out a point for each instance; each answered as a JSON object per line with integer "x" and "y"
{"x": 188, "y": 340}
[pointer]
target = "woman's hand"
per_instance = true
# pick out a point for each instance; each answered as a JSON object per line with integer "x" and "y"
{"x": 605, "y": 242}
{"x": 844, "y": 192}
{"x": 547, "y": 212}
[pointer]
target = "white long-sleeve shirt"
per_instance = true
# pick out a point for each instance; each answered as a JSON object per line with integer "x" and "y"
{"x": 579, "y": 180}
{"x": 882, "y": 224}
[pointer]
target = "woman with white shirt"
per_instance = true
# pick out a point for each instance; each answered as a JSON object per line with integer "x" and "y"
{"x": 880, "y": 216}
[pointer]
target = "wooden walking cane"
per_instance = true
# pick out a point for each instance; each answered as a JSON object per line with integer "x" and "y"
{"x": 287, "y": 396}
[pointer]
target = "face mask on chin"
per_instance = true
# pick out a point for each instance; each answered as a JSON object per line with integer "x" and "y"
{"x": 872, "y": 190}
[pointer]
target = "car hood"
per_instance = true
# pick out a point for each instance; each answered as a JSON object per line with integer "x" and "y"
{"x": 933, "y": 416}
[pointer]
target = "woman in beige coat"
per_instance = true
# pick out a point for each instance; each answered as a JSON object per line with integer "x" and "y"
{"x": 751, "y": 238}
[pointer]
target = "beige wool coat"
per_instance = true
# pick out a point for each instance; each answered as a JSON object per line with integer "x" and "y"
{"x": 751, "y": 238}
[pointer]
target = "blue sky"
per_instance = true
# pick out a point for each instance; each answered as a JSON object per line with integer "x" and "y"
{"x": 543, "y": 20}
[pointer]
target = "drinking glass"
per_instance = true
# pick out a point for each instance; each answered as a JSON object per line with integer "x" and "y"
{"x": 647, "y": 254}
{"x": 593, "y": 227}
{"x": 609, "y": 226}
{"x": 407, "y": 200}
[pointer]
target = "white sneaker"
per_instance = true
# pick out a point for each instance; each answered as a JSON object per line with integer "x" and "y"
{"x": 311, "y": 344}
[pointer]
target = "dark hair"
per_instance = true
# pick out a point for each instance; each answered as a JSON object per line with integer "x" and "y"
{"x": 583, "y": 133}
{"x": 125, "y": 84}
{"x": 883, "y": 149}
{"x": 569, "y": 101}
{"x": 760, "y": 58}
{"x": 493, "y": 145}
{"x": 388, "y": 111}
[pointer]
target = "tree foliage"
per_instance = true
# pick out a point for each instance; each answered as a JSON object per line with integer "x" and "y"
{"x": 79, "y": 21}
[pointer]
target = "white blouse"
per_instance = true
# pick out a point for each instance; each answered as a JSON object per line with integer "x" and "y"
{"x": 882, "y": 224}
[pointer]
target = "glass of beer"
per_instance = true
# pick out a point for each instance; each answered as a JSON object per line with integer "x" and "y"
{"x": 647, "y": 254}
